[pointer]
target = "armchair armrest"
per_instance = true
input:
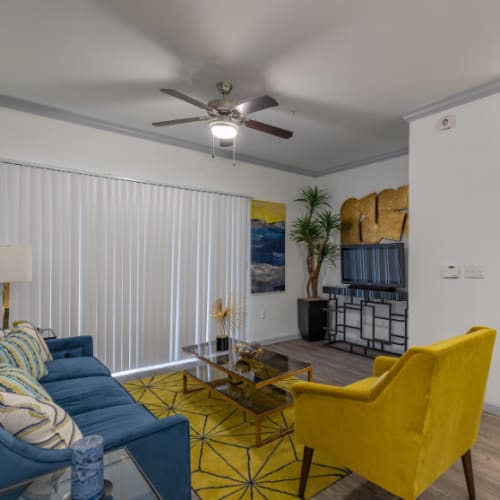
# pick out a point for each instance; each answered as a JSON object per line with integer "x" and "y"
{"x": 383, "y": 364}
{"x": 21, "y": 461}
{"x": 325, "y": 414}
{"x": 167, "y": 438}
{"x": 341, "y": 418}
{"x": 71, "y": 347}
{"x": 172, "y": 423}
{"x": 315, "y": 389}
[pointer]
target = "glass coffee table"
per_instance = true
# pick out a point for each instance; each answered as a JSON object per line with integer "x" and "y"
{"x": 125, "y": 478}
{"x": 247, "y": 382}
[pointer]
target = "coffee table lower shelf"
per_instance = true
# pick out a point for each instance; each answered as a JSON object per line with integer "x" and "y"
{"x": 258, "y": 403}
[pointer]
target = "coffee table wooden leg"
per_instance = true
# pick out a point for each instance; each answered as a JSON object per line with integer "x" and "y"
{"x": 185, "y": 390}
{"x": 258, "y": 433}
{"x": 258, "y": 441}
{"x": 261, "y": 442}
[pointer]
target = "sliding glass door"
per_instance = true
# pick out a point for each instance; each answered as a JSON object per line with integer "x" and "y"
{"x": 136, "y": 265}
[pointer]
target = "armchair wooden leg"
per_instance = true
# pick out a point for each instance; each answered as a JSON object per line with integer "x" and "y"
{"x": 469, "y": 476}
{"x": 304, "y": 474}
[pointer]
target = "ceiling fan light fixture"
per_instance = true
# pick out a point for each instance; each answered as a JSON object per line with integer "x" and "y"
{"x": 224, "y": 129}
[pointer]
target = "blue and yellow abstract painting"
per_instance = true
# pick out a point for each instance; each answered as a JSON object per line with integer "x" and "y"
{"x": 268, "y": 246}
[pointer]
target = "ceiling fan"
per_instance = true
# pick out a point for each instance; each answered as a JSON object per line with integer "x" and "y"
{"x": 226, "y": 116}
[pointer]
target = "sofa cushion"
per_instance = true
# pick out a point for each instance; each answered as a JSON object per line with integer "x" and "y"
{"x": 76, "y": 352}
{"x": 19, "y": 349}
{"x": 114, "y": 423}
{"x": 79, "y": 395}
{"x": 68, "y": 368}
{"x": 41, "y": 423}
{"x": 17, "y": 381}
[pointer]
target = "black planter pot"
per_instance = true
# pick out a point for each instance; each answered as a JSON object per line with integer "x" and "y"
{"x": 312, "y": 318}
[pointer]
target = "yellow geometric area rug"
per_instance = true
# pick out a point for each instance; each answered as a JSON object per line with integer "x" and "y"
{"x": 225, "y": 464}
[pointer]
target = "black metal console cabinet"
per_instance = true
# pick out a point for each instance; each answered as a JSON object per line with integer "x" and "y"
{"x": 367, "y": 321}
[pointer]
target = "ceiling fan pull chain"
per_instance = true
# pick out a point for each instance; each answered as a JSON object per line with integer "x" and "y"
{"x": 234, "y": 152}
{"x": 213, "y": 146}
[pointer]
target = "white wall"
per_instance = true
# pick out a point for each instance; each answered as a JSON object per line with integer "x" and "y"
{"x": 56, "y": 143}
{"x": 455, "y": 207}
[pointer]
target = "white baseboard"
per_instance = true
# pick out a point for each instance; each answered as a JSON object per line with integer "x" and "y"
{"x": 273, "y": 340}
{"x": 144, "y": 371}
{"x": 491, "y": 408}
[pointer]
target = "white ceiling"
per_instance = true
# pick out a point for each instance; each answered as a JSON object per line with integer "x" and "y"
{"x": 343, "y": 71}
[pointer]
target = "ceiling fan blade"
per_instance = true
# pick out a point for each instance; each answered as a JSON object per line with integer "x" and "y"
{"x": 255, "y": 104}
{"x": 268, "y": 129}
{"x": 225, "y": 143}
{"x": 184, "y": 97}
{"x": 180, "y": 121}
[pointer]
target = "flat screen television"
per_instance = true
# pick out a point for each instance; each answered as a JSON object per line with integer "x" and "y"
{"x": 374, "y": 266}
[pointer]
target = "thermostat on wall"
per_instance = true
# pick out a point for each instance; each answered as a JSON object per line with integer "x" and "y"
{"x": 450, "y": 271}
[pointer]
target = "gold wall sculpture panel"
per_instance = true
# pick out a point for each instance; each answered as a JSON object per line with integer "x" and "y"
{"x": 375, "y": 217}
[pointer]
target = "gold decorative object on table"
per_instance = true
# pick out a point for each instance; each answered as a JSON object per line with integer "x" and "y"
{"x": 247, "y": 350}
{"x": 242, "y": 366}
{"x": 221, "y": 315}
{"x": 230, "y": 319}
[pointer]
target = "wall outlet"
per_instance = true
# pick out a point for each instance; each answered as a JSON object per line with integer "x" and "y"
{"x": 263, "y": 314}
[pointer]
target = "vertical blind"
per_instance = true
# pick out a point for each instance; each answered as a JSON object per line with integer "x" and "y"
{"x": 138, "y": 266}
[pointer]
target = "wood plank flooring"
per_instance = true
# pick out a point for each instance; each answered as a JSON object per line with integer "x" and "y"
{"x": 335, "y": 367}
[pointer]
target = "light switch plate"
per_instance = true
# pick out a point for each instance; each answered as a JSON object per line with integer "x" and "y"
{"x": 473, "y": 271}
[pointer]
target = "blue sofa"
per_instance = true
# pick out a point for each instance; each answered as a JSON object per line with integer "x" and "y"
{"x": 83, "y": 386}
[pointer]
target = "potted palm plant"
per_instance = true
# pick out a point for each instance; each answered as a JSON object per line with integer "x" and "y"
{"x": 314, "y": 230}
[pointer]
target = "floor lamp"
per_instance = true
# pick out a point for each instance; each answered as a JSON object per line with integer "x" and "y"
{"x": 15, "y": 265}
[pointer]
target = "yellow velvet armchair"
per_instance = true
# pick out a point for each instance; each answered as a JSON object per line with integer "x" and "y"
{"x": 405, "y": 426}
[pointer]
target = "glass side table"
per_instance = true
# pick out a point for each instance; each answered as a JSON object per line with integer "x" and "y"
{"x": 128, "y": 482}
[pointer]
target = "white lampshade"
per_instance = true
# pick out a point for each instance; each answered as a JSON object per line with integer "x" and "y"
{"x": 15, "y": 264}
{"x": 224, "y": 129}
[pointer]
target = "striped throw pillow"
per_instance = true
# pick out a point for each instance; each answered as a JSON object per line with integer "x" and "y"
{"x": 17, "y": 381}
{"x": 19, "y": 349}
{"x": 30, "y": 329}
{"x": 40, "y": 423}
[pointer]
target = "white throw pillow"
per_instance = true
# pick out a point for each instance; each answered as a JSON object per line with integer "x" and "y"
{"x": 41, "y": 423}
{"x": 30, "y": 329}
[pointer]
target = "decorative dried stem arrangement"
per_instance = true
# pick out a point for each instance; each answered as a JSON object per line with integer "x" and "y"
{"x": 230, "y": 318}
